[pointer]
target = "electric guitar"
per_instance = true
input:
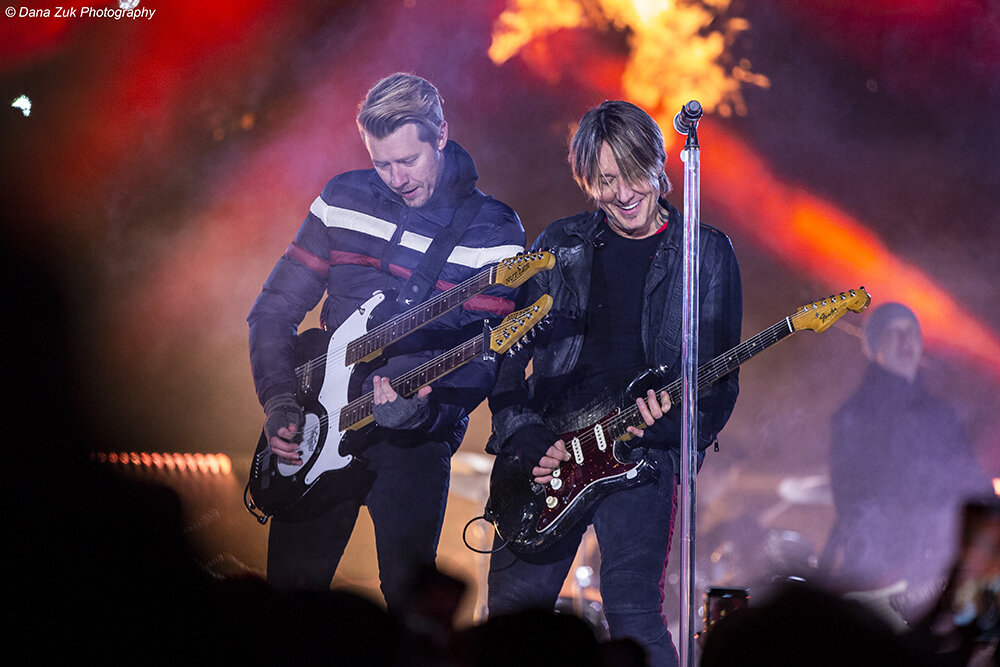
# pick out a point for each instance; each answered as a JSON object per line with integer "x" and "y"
{"x": 529, "y": 516}
{"x": 277, "y": 488}
{"x": 325, "y": 363}
{"x": 510, "y": 272}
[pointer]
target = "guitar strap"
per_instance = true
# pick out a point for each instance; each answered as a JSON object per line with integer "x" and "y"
{"x": 425, "y": 274}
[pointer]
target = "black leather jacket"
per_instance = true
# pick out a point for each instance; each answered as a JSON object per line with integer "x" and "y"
{"x": 517, "y": 402}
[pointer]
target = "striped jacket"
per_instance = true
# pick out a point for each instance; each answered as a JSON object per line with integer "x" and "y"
{"x": 360, "y": 237}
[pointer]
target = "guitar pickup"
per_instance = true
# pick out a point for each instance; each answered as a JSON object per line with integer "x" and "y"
{"x": 577, "y": 450}
{"x": 602, "y": 442}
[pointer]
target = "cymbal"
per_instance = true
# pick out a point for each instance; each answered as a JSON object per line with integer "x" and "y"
{"x": 470, "y": 463}
{"x": 807, "y": 490}
{"x": 470, "y": 475}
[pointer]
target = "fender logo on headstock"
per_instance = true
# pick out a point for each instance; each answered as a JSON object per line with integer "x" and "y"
{"x": 833, "y": 307}
{"x": 825, "y": 316}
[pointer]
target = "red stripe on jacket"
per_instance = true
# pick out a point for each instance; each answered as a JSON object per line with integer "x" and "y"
{"x": 308, "y": 259}
{"x": 483, "y": 302}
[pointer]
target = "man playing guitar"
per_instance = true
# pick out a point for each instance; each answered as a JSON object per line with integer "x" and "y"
{"x": 616, "y": 312}
{"x": 371, "y": 231}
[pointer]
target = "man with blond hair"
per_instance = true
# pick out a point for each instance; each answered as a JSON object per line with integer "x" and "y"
{"x": 369, "y": 230}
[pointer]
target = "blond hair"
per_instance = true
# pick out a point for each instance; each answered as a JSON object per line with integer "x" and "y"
{"x": 398, "y": 99}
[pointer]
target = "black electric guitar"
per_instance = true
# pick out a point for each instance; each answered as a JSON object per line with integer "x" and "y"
{"x": 277, "y": 488}
{"x": 529, "y": 516}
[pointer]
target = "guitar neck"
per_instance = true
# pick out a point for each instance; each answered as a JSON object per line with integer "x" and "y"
{"x": 724, "y": 364}
{"x": 401, "y": 325}
{"x": 358, "y": 412}
{"x": 708, "y": 373}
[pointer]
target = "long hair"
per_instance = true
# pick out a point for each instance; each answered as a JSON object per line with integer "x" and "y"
{"x": 635, "y": 141}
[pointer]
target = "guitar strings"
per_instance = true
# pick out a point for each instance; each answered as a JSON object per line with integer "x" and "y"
{"x": 710, "y": 372}
{"x": 435, "y": 301}
{"x": 481, "y": 282}
{"x": 306, "y": 368}
{"x": 475, "y": 344}
{"x": 617, "y": 426}
{"x": 363, "y": 402}
{"x": 470, "y": 348}
{"x": 489, "y": 275}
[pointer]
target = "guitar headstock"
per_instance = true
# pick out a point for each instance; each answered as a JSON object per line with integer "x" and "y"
{"x": 517, "y": 324}
{"x": 820, "y": 315}
{"x": 515, "y": 270}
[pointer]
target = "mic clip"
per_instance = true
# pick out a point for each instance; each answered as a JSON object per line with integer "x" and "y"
{"x": 687, "y": 118}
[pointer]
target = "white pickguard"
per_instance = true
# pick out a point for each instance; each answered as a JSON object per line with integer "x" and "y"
{"x": 333, "y": 398}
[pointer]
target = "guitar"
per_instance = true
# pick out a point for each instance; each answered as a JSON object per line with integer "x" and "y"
{"x": 326, "y": 362}
{"x": 510, "y": 272}
{"x": 277, "y": 488}
{"x": 529, "y": 516}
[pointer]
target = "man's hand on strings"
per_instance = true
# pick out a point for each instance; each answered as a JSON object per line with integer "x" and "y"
{"x": 394, "y": 411}
{"x": 650, "y": 409}
{"x": 554, "y": 456}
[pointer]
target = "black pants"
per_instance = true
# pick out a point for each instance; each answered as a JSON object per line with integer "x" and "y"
{"x": 634, "y": 529}
{"x": 405, "y": 488}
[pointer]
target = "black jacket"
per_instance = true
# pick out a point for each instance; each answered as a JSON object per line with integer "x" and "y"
{"x": 517, "y": 402}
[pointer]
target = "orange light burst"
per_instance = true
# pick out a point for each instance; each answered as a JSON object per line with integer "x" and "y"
{"x": 817, "y": 238}
{"x": 677, "y": 52}
{"x": 675, "y": 48}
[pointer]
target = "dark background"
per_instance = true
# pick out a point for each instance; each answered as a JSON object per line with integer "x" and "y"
{"x": 167, "y": 163}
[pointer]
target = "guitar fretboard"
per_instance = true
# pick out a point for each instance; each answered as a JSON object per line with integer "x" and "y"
{"x": 399, "y": 326}
{"x": 360, "y": 409}
{"x": 708, "y": 373}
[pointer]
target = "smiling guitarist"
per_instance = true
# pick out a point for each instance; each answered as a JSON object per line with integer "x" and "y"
{"x": 616, "y": 290}
{"x": 411, "y": 228}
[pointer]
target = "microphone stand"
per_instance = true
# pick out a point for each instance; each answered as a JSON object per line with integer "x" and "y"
{"x": 691, "y": 157}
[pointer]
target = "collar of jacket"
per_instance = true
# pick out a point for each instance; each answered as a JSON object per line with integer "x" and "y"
{"x": 457, "y": 182}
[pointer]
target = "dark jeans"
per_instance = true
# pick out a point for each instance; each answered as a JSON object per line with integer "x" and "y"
{"x": 633, "y": 528}
{"x": 405, "y": 487}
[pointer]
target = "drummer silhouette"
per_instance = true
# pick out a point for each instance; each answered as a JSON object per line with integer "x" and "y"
{"x": 901, "y": 467}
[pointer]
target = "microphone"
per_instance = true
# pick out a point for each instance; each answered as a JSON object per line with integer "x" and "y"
{"x": 687, "y": 118}
{"x": 597, "y": 241}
